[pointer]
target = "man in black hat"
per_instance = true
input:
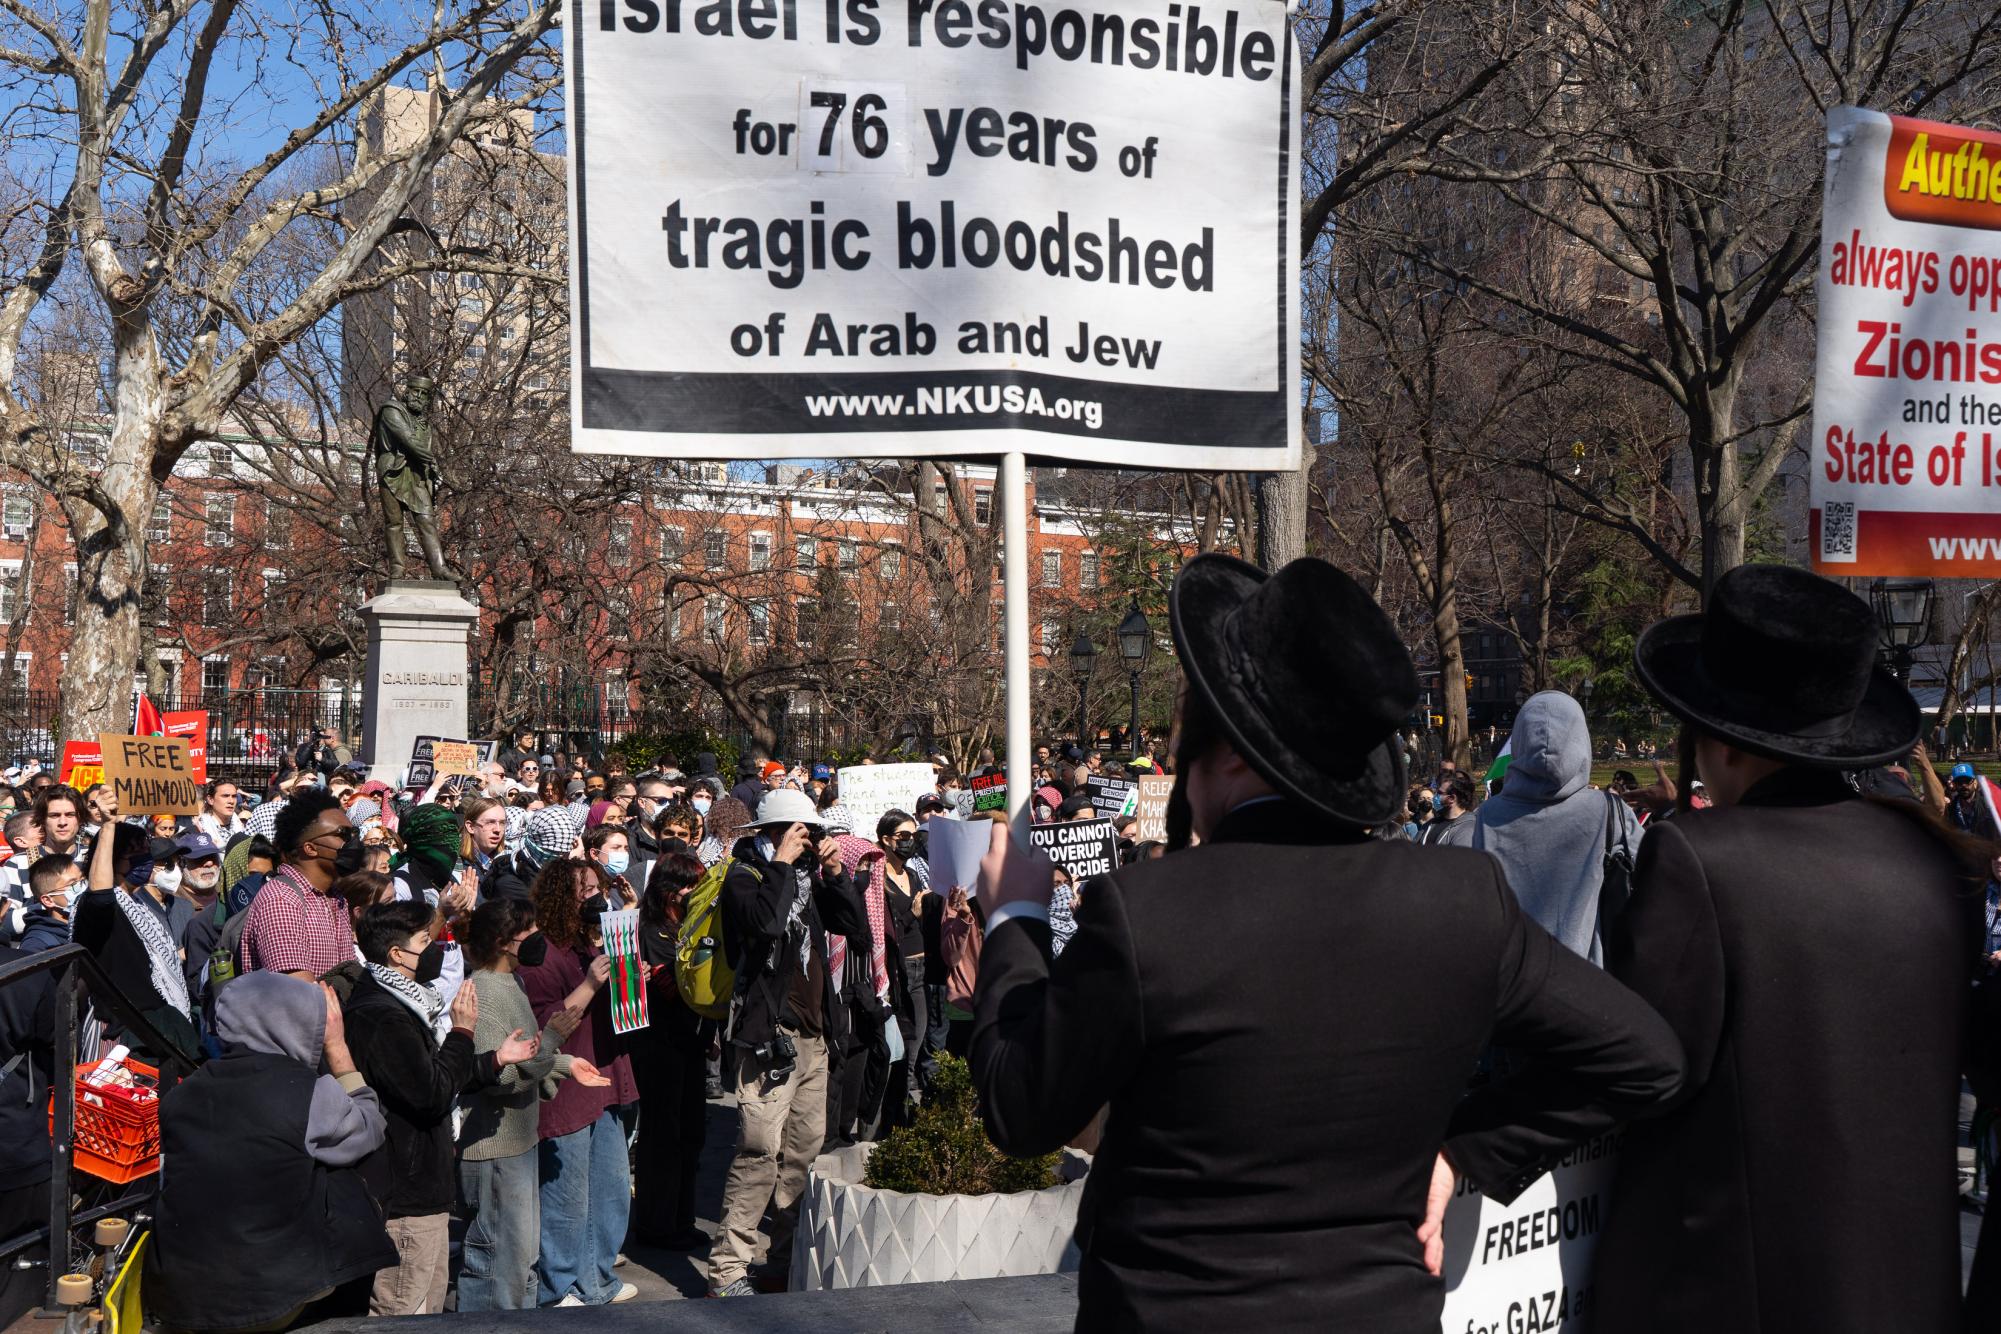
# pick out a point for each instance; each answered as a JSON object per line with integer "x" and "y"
{"x": 1282, "y": 1070}
{"x": 1814, "y": 952}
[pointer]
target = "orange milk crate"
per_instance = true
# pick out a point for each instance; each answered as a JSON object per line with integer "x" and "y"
{"x": 118, "y": 1135}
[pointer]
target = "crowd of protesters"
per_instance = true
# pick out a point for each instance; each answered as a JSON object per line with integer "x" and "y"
{"x": 399, "y": 1005}
{"x": 409, "y": 988}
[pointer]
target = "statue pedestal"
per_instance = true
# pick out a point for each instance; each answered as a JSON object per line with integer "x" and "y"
{"x": 417, "y": 667}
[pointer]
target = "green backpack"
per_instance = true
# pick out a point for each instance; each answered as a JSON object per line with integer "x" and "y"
{"x": 702, "y": 972}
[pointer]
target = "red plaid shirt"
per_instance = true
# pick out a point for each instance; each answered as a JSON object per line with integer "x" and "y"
{"x": 294, "y": 928}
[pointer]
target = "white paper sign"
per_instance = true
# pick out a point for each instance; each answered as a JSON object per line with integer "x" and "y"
{"x": 1527, "y": 1266}
{"x": 1906, "y": 446}
{"x": 835, "y": 228}
{"x": 954, "y": 851}
{"x": 871, "y": 791}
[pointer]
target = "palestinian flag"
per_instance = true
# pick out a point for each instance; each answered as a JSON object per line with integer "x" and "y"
{"x": 146, "y": 720}
{"x": 1499, "y": 768}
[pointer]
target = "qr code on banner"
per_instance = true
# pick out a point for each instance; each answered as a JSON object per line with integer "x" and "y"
{"x": 1837, "y": 530}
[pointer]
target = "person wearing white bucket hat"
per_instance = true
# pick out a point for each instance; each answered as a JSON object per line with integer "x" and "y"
{"x": 785, "y": 892}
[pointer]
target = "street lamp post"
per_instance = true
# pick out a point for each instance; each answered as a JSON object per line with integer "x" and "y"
{"x": 1135, "y": 640}
{"x": 1083, "y": 658}
{"x": 1903, "y": 614}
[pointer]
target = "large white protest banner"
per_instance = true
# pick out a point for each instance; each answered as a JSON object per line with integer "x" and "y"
{"x": 1907, "y": 396}
{"x": 858, "y": 227}
{"x": 871, "y": 791}
{"x": 1525, "y": 1267}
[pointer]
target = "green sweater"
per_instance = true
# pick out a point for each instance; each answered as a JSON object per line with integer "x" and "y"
{"x": 500, "y": 1121}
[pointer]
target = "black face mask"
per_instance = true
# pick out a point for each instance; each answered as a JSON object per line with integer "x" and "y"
{"x": 533, "y": 951}
{"x": 904, "y": 845}
{"x": 431, "y": 962}
{"x": 353, "y": 854}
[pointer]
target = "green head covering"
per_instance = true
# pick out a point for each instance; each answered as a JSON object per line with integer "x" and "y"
{"x": 431, "y": 836}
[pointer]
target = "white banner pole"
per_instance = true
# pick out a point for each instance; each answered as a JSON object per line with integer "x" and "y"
{"x": 1014, "y": 603}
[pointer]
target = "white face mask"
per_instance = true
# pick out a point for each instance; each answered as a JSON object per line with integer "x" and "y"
{"x": 71, "y": 895}
{"x": 168, "y": 879}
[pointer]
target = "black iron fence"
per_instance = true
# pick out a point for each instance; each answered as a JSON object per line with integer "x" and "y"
{"x": 247, "y": 729}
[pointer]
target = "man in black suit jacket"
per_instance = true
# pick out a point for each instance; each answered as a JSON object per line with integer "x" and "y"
{"x": 1814, "y": 951}
{"x": 1284, "y": 1019}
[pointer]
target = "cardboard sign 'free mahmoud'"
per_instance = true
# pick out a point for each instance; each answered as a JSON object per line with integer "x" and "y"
{"x": 151, "y": 775}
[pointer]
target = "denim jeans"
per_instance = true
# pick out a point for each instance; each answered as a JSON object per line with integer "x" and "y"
{"x": 504, "y": 1233}
{"x": 586, "y": 1198}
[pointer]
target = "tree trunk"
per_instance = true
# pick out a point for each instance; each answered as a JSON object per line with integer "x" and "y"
{"x": 110, "y": 543}
{"x": 1282, "y": 498}
{"x": 1723, "y": 510}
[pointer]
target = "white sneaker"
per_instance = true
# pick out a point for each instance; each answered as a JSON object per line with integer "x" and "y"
{"x": 621, "y": 1262}
{"x": 571, "y": 1300}
{"x": 626, "y": 1292}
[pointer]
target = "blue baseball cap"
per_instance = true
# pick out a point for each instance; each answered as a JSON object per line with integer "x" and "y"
{"x": 194, "y": 846}
{"x": 1963, "y": 770}
{"x": 822, "y": 772}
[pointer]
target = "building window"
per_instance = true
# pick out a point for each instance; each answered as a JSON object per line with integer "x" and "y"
{"x": 160, "y": 527}
{"x": 22, "y": 661}
{"x": 1052, "y": 633}
{"x": 891, "y": 617}
{"x": 214, "y": 675}
{"x": 15, "y": 512}
{"x": 892, "y": 564}
{"x": 673, "y": 545}
{"x": 219, "y": 521}
{"x": 1087, "y": 569}
{"x": 714, "y": 610}
{"x": 805, "y": 554}
{"x": 274, "y": 590}
{"x": 215, "y": 599}
{"x": 620, "y": 552}
{"x": 802, "y": 623}
{"x": 846, "y": 548}
{"x": 277, "y": 527}
{"x": 760, "y": 551}
{"x": 983, "y": 506}
{"x": 715, "y": 550}
{"x": 69, "y": 594}
{"x": 760, "y": 622}
{"x": 1052, "y": 569}
{"x": 10, "y": 575}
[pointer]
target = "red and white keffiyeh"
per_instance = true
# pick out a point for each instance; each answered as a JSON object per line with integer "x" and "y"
{"x": 857, "y": 852}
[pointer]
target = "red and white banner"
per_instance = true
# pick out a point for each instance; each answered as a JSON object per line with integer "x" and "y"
{"x": 1907, "y": 405}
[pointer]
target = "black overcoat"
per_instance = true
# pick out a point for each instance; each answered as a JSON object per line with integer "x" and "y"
{"x": 1284, "y": 1022}
{"x": 1814, "y": 953}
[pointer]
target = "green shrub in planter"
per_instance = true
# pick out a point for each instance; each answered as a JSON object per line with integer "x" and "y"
{"x": 945, "y": 1150}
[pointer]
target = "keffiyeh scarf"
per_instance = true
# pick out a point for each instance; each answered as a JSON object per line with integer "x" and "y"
{"x": 856, "y": 853}
{"x": 425, "y": 1001}
{"x": 163, "y": 961}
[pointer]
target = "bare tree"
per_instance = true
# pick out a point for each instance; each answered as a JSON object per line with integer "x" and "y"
{"x": 123, "y": 136}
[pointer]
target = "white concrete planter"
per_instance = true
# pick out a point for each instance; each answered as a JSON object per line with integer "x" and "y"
{"x": 851, "y": 1236}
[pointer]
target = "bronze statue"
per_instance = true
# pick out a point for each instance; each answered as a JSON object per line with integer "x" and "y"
{"x": 408, "y": 473}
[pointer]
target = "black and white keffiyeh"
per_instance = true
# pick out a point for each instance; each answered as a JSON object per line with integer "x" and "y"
{"x": 425, "y": 1001}
{"x": 163, "y": 960}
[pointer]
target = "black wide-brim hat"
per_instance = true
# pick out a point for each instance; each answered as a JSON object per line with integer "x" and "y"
{"x": 1782, "y": 663}
{"x": 1306, "y": 676}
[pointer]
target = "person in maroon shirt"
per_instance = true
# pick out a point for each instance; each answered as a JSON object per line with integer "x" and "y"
{"x": 586, "y": 1187}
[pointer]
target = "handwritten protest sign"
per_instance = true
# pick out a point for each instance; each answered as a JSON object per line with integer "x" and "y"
{"x": 851, "y": 230}
{"x": 1084, "y": 848}
{"x": 192, "y": 726}
{"x": 989, "y": 792}
{"x": 151, "y": 775}
{"x": 1527, "y": 1265}
{"x": 1111, "y": 796}
{"x": 1151, "y": 808}
{"x": 1906, "y": 444}
{"x": 870, "y": 791}
{"x": 424, "y": 766}
{"x": 83, "y": 765}
{"x": 450, "y": 759}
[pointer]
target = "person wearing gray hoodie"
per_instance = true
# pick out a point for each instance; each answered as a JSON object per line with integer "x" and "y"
{"x": 223, "y": 1257}
{"x": 1550, "y": 829}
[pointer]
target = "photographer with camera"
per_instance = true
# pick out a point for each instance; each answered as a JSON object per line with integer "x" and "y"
{"x": 784, "y": 893}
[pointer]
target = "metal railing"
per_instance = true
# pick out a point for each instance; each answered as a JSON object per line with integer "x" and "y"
{"x": 75, "y": 968}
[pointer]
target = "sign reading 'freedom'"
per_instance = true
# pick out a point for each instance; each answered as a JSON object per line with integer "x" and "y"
{"x": 809, "y": 226}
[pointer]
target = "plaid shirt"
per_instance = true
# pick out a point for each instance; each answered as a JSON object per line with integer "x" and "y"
{"x": 294, "y": 928}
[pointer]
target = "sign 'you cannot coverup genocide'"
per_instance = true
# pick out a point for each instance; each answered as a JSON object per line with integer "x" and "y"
{"x": 811, "y": 226}
{"x": 1907, "y": 402}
